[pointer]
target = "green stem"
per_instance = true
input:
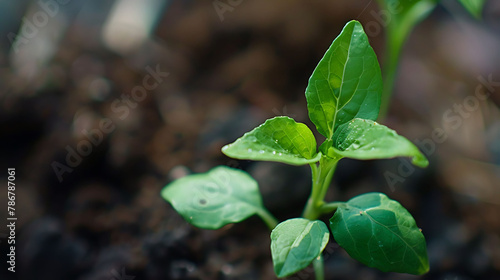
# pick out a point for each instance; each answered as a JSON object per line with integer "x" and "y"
{"x": 394, "y": 45}
{"x": 326, "y": 183}
{"x": 319, "y": 267}
{"x": 398, "y": 31}
{"x": 321, "y": 179}
{"x": 268, "y": 218}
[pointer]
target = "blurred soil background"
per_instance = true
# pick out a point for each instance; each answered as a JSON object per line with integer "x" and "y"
{"x": 100, "y": 215}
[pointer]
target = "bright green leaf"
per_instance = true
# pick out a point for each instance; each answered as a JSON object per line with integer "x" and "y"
{"x": 295, "y": 243}
{"x": 475, "y": 7}
{"x": 347, "y": 82}
{"x": 214, "y": 199}
{"x": 380, "y": 233}
{"x": 279, "y": 139}
{"x": 366, "y": 139}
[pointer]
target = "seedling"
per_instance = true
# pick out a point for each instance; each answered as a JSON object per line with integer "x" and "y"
{"x": 343, "y": 100}
{"x": 401, "y": 16}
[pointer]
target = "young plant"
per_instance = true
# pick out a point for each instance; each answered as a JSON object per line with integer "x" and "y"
{"x": 343, "y": 100}
{"x": 401, "y": 16}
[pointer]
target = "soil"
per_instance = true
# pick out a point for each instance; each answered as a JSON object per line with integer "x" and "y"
{"x": 102, "y": 217}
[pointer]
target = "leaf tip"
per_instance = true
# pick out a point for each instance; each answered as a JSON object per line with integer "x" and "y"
{"x": 420, "y": 161}
{"x": 164, "y": 194}
{"x": 355, "y": 22}
{"x": 226, "y": 150}
{"x": 424, "y": 269}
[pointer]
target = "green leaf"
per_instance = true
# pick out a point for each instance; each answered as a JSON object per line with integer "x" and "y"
{"x": 214, "y": 199}
{"x": 475, "y": 7}
{"x": 366, "y": 139}
{"x": 347, "y": 82}
{"x": 295, "y": 243}
{"x": 279, "y": 139}
{"x": 380, "y": 233}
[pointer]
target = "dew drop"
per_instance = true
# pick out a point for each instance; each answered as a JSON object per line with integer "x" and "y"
{"x": 274, "y": 152}
{"x": 249, "y": 150}
{"x": 261, "y": 152}
{"x": 280, "y": 154}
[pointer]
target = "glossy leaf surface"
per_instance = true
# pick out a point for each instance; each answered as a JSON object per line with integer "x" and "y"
{"x": 279, "y": 139}
{"x": 214, "y": 199}
{"x": 380, "y": 233}
{"x": 295, "y": 243}
{"x": 347, "y": 82}
{"x": 366, "y": 139}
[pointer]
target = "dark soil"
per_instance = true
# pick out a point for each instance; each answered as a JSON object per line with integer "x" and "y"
{"x": 105, "y": 218}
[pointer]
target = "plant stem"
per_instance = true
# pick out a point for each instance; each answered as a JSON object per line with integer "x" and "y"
{"x": 319, "y": 267}
{"x": 398, "y": 31}
{"x": 321, "y": 179}
{"x": 268, "y": 218}
{"x": 395, "y": 42}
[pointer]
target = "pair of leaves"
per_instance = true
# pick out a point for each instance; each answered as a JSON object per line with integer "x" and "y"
{"x": 214, "y": 199}
{"x": 293, "y": 143}
{"x": 343, "y": 99}
{"x": 372, "y": 228}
